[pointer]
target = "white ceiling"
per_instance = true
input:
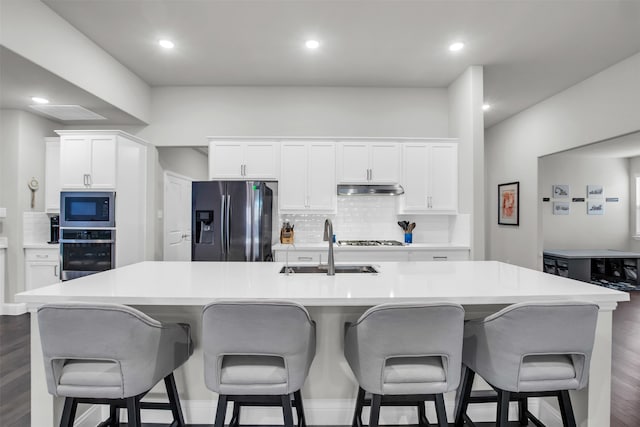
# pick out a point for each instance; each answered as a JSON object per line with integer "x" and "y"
{"x": 530, "y": 49}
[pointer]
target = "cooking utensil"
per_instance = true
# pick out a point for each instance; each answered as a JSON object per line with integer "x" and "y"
{"x": 411, "y": 227}
{"x": 403, "y": 224}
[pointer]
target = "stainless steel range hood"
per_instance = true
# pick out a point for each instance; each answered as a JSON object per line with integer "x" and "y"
{"x": 370, "y": 190}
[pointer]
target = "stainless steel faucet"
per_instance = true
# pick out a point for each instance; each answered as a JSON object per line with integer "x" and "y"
{"x": 328, "y": 236}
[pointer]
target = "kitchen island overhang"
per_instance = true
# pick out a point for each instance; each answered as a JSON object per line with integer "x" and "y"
{"x": 178, "y": 290}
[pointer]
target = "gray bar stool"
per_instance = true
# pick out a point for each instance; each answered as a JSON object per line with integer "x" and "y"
{"x": 404, "y": 355}
{"x": 111, "y": 355}
{"x": 257, "y": 353}
{"x": 528, "y": 350}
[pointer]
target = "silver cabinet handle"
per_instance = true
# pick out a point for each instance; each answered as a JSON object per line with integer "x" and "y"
{"x": 42, "y": 256}
{"x": 370, "y": 174}
{"x": 305, "y": 258}
{"x": 89, "y": 179}
{"x": 55, "y": 270}
{"x": 439, "y": 258}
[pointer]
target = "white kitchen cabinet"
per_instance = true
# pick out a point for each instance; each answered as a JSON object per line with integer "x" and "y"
{"x": 42, "y": 267}
{"x": 307, "y": 177}
{"x": 368, "y": 162}
{"x": 87, "y": 162}
{"x": 439, "y": 255}
{"x": 52, "y": 175}
{"x": 429, "y": 178}
{"x": 251, "y": 159}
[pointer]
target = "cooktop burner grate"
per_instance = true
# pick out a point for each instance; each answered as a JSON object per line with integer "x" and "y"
{"x": 369, "y": 243}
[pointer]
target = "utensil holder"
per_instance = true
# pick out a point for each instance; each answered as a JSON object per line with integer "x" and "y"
{"x": 408, "y": 238}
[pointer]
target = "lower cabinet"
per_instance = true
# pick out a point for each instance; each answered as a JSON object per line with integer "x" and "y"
{"x": 42, "y": 268}
{"x": 316, "y": 256}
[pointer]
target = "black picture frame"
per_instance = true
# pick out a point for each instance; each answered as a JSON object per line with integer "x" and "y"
{"x": 509, "y": 203}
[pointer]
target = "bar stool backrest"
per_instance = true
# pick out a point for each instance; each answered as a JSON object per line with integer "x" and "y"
{"x": 258, "y": 328}
{"x": 405, "y": 330}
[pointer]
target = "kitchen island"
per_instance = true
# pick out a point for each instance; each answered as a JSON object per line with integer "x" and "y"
{"x": 176, "y": 291}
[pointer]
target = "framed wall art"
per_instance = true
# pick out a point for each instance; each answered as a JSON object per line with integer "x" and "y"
{"x": 509, "y": 203}
{"x": 560, "y": 191}
{"x": 561, "y": 208}
{"x": 595, "y": 191}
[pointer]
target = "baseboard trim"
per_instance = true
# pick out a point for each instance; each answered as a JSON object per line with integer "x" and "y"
{"x": 8, "y": 309}
{"x": 327, "y": 412}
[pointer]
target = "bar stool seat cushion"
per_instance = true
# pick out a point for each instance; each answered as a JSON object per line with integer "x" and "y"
{"x": 547, "y": 367}
{"x": 244, "y": 370}
{"x": 425, "y": 369}
{"x": 91, "y": 374}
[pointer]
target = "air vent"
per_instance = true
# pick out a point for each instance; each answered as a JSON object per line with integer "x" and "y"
{"x": 68, "y": 112}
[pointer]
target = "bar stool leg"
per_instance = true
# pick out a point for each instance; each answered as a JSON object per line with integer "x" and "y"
{"x": 374, "y": 418}
{"x": 357, "y": 415}
{"x": 221, "y": 410}
{"x": 235, "y": 417}
{"x": 441, "y": 411}
{"x": 286, "y": 410}
{"x": 174, "y": 400}
{"x": 114, "y": 416}
{"x": 464, "y": 392}
{"x": 133, "y": 412}
{"x": 566, "y": 409}
{"x": 523, "y": 407}
{"x": 503, "y": 408}
{"x": 69, "y": 412}
{"x": 422, "y": 415}
{"x": 297, "y": 398}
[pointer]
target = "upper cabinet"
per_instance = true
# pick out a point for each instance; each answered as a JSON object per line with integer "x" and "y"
{"x": 429, "y": 177}
{"x": 87, "y": 162}
{"x": 244, "y": 159}
{"x": 52, "y": 175}
{"x": 308, "y": 177}
{"x": 368, "y": 162}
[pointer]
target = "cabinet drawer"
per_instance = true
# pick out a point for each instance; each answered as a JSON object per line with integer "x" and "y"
{"x": 297, "y": 256}
{"x": 41, "y": 254}
{"x": 457, "y": 255}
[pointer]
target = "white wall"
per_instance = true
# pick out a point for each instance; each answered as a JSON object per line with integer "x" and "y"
{"x": 601, "y": 107}
{"x": 579, "y": 230}
{"x": 32, "y": 30}
{"x": 185, "y": 161}
{"x": 634, "y": 171}
{"x": 187, "y": 115}
{"x": 466, "y": 122}
{"x": 22, "y": 150}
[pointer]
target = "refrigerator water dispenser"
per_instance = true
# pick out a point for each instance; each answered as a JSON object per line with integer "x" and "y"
{"x": 204, "y": 227}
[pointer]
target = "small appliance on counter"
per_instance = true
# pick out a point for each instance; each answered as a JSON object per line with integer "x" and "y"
{"x": 54, "y": 229}
{"x": 286, "y": 233}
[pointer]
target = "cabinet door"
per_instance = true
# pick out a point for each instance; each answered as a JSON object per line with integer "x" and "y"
{"x": 443, "y": 182}
{"x": 226, "y": 160}
{"x": 353, "y": 161}
{"x": 39, "y": 274}
{"x": 261, "y": 160}
{"x": 103, "y": 163}
{"x": 385, "y": 163}
{"x": 321, "y": 176}
{"x": 52, "y": 175}
{"x": 292, "y": 186}
{"x": 75, "y": 162}
{"x": 414, "y": 178}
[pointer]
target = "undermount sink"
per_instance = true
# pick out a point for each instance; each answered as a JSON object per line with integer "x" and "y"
{"x": 322, "y": 269}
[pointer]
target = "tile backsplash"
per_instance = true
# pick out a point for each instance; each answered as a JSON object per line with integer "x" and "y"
{"x": 36, "y": 227}
{"x": 370, "y": 217}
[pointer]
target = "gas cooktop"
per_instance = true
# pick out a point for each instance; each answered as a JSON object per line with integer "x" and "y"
{"x": 369, "y": 243}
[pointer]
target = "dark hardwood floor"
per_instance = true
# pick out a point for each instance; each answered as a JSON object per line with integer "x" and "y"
{"x": 625, "y": 388}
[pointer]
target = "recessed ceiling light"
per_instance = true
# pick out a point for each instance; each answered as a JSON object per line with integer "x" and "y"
{"x": 167, "y": 44}
{"x": 39, "y": 100}
{"x": 312, "y": 44}
{"x": 486, "y": 107}
{"x": 454, "y": 47}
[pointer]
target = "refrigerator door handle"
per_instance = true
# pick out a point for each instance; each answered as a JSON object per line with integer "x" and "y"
{"x": 228, "y": 225}
{"x": 222, "y": 221}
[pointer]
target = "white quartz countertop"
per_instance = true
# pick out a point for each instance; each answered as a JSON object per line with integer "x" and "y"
{"x": 337, "y": 247}
{"x": 198, "y": 283}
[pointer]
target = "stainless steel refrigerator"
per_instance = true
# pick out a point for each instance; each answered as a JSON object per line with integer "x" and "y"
{"x": 231, "y": 221}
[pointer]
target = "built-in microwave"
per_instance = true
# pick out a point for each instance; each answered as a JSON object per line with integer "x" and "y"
{"x": 87, "y": 209}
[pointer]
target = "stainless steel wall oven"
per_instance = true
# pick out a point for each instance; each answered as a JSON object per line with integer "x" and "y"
{"x": 86, "y": 251}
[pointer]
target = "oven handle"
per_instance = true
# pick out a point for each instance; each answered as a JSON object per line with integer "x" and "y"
{"x": 85, "y": 241}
